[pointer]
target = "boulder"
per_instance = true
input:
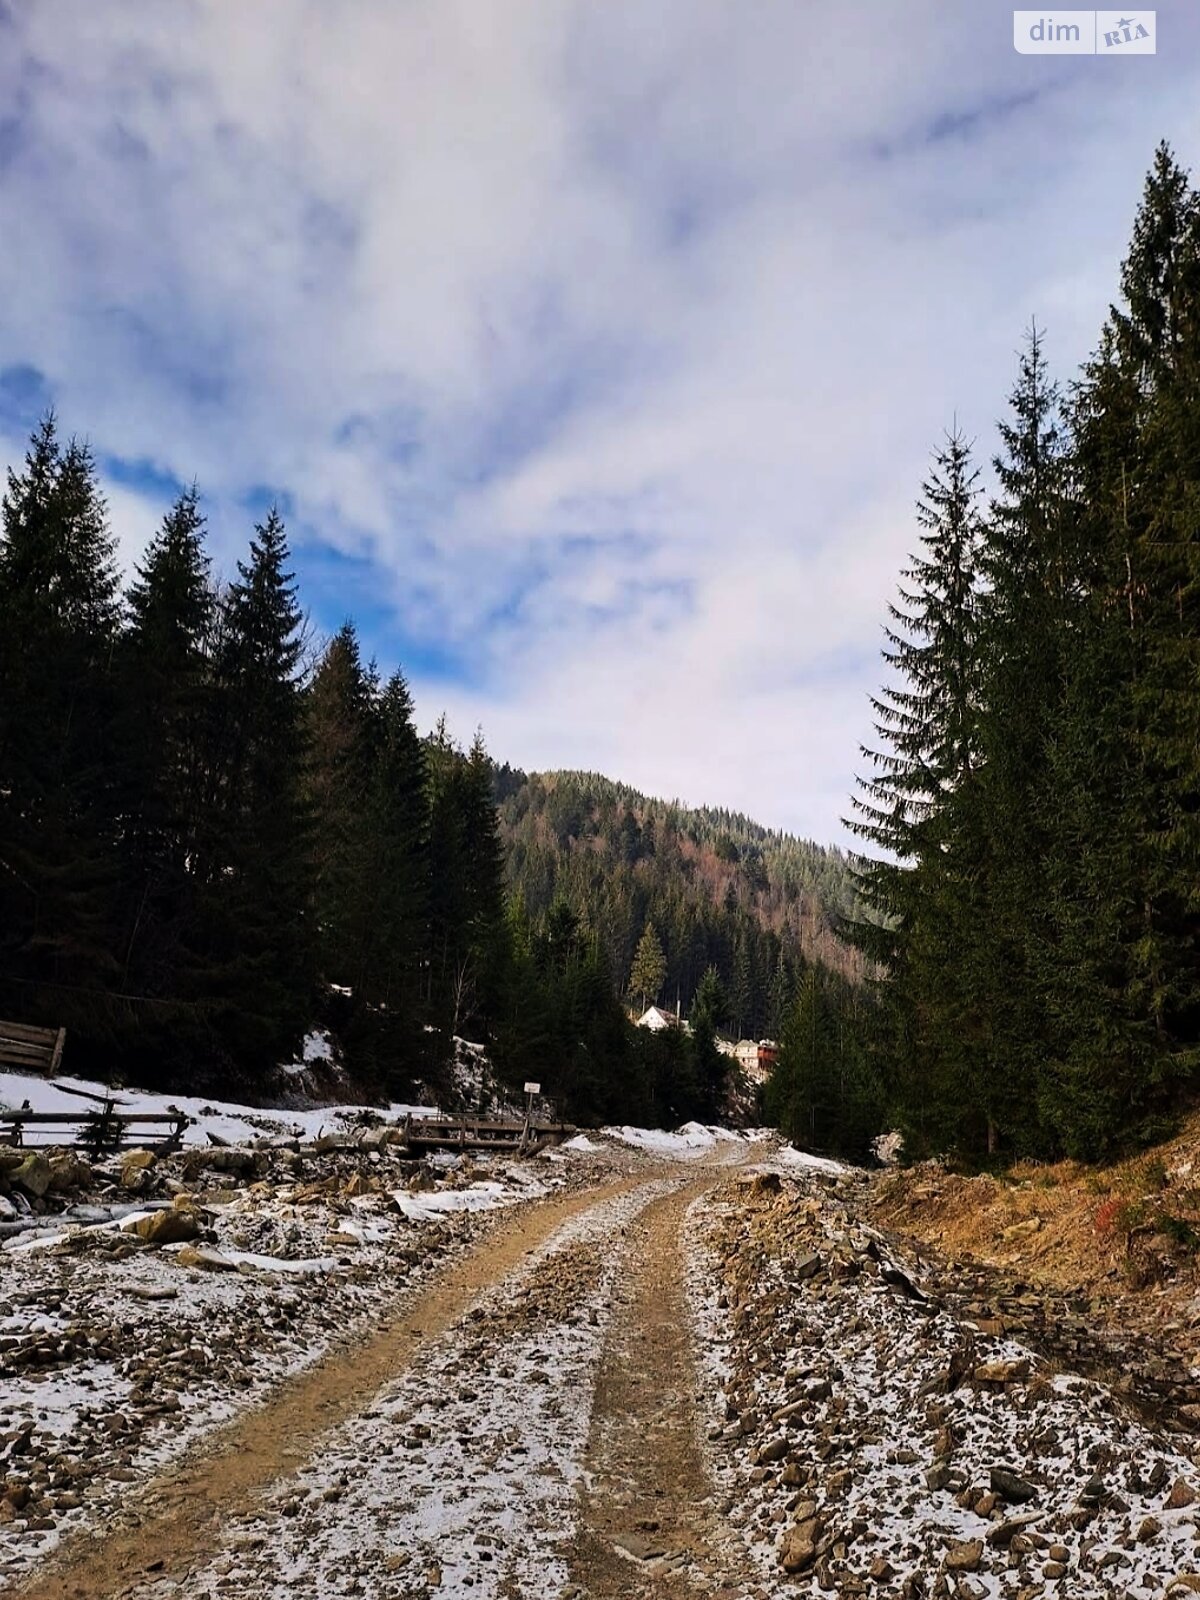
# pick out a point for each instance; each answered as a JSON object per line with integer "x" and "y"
{"x": 175, "y": 1226}
{"x": 135, "y": 1170}
{"x": 206, "y": 1260}
{"x": 1011, "y": 1487}
{"x": 33, "y": 1175}
{"x": 965, "y": 1557}
{"x": 69, "y": 1171}
{"x": 799, "y": 1548}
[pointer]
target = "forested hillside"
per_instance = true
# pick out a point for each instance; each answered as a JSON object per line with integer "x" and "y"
{"x": 1034, "y": 794}
{"x": 212, "y": 837}
{"x": 215, "y": 835}
{"x": 720, "y": 890}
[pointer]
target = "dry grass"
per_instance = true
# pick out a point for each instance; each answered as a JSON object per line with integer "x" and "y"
{"x": 1065, "y": 1225}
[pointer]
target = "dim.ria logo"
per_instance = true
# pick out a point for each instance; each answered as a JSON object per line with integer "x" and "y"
{"x": 1089, "y": 33}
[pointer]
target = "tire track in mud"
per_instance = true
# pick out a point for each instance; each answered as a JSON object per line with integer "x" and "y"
{"x": 177, "y": 1518}
{"x": 648, "y": 1522}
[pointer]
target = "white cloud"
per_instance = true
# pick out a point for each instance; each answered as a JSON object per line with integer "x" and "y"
{"x": 615, "y": 336}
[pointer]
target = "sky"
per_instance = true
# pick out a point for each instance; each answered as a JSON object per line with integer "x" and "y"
{"x": 594, "y": 352}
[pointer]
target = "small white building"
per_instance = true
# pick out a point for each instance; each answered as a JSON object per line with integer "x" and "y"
{"x": 656, "y": 1019}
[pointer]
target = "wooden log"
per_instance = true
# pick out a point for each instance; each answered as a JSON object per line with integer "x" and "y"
{"x": 27, "y": 1032}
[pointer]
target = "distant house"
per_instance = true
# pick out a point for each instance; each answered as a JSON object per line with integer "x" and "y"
{"x": 757, "y": 1057}
{"x": 656, "y": 1019}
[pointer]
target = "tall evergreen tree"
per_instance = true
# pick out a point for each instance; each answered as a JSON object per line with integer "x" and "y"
{"x": 259, "y": 961}
{"x": 1030, "y": 580}
{"x": 58, "y": 627}
{"x": 340, "y": 727}
{"x": 649, "y": 967}
{"x": 166, "y": 690}
{"x": 1120, "y": 965}
{"x": 918, "y": 807}
{"x": 391, "y": 939}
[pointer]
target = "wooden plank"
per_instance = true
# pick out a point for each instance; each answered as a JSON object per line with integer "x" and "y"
{"x": 56, "y": 1058}
{"x": 50, "y": 1118}
{"x": 26, "y": 1031}
{"x": 86, "y": 1094}
{"x": 22, "y": 1050}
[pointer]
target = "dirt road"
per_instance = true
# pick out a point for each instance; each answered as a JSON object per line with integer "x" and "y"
{"x": 688, "y": 1381}
{"x": 525, "y": 1424}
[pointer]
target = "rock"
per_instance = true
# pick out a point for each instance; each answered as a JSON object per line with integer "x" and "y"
{"x": 175, "y": 1226}
{"x": 1149, "y": 1530}
{"x": 205, "y": 1260}
{"x": 640, "y": 1546}
{"x": 69, "y": 1171}
{"x": 807, "y": 1266}
{"x": 773, "y": 1450}
{"x": 1002, "y": 1371}
{"x": 241, "y": 1163}
{"x": 799, "y": 1548}
{"x": 1010, "y": 1487}
{"x": 965, "y": 1557}
{"x": 881, "y": 1570}
{"x": 1009, "y": 1531}
{"x": 33, "y": 1175}
{"x": 1021, "y": 1230}
{"x": 1182, "y": 1494}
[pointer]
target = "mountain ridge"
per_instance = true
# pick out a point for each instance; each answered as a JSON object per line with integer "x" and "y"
{"x": 721, "y": 889}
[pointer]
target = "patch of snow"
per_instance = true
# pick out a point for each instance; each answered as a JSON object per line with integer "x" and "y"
{"x": 248, "y": 1258}
{"x": 479, "y": 1197}
{"x": 582, "y": 1142}
{"x": 687, "y": 1143}
{"x": 230, "y": 1122}
{"x": 789, "y": 1156}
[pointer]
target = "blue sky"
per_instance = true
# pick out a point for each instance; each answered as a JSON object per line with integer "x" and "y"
{"x": 593, "y": 351}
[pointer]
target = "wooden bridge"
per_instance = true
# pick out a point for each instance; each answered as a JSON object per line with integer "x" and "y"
{"x": 469, "y": 1132}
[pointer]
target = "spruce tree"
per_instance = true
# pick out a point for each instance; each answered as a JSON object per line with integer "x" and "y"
{"x": 259, "y": 961}
{"x": 917, "y": 807}
{"x": 1120, "y": 966}
{"x": 1029, "y": 571}
{"x": 339, "y": 718}
{"x": 58, "y": 627}
{"x": 391, "y": 938}
{"x": 649, "y": 968}
{"x": 166, "y": 699}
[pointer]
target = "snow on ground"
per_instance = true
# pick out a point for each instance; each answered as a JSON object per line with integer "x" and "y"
{"x": 235, "y": 1124}
{"x": 479, "y": 1197}
{"x": 461, "y": 1476}
{"x": 687, "y": 1143}
{"x": 117, "y": 1355}
{"x": 793, "y": 1160}
{"x": 888, "y": 1459}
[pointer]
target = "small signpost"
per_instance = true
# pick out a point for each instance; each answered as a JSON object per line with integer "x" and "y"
{"x": 530, "y": 1090}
